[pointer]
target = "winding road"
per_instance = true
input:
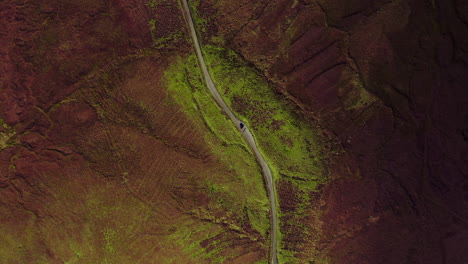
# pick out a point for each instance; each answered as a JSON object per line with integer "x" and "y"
{"x": 243, "y": 129}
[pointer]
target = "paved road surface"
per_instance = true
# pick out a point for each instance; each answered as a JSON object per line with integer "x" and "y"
{"x": 245, "y": 132}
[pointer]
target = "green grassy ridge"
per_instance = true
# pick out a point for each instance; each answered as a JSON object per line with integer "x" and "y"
{"x": 289, "y": 145}
{"x": 281, "y": 135}
{"x": 285, "y": 139}
{"x": 244, "y": 189}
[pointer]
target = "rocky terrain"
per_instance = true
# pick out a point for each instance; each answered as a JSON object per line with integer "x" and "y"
{"x": 112, "y": 152}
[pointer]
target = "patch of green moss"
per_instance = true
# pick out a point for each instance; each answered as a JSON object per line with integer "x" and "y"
{"x": 6, "y": 135}
{"x": 152, "y": 26}
{"x": 110, "y": 235}
{"x": 152, "y": 3}
{"x": 192, "y": 234}
{"x": 286, "y": 256}
{"x": 244, "y": 187}
{"x": 200, "y": 22}
{"x": 289, "y": 144}
{"x": 362, "y": 99}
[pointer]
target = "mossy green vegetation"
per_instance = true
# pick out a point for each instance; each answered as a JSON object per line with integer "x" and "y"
{"x": 289, "y": 143}
{"x": 191, "y": 236}
{"x": 6, "y": 135}
{"x": 199, "y": 21}
{"x": 110, "y": 236}
{"x": 362, "y": 99}
{"x": 152, "y": 26}
{"x": 243, "y": 189}
{"x": 286, "y": 256}
{"x": 152, "y": 3}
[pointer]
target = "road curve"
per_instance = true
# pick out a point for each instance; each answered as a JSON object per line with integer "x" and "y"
{"x": 245, "y": 132}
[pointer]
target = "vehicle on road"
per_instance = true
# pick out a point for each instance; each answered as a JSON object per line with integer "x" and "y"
{"x": 242, "y": 126}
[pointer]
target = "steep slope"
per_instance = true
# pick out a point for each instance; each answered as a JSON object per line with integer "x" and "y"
{"x": 99, "y": 162}
{"x": 112, "y": 150}
{"x": 384, "y": 81}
